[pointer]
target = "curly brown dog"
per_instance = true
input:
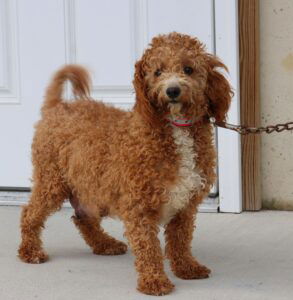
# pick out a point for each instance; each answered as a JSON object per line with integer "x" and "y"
{"x": 151, "y": 166}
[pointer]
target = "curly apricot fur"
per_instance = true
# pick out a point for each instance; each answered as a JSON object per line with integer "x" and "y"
{"x": 125, "y": 163}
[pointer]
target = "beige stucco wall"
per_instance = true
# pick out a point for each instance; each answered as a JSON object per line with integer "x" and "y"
{"x": 276, "y": 71}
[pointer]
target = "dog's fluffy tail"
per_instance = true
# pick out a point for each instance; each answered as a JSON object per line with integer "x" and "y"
{"x": 79, "y": 78}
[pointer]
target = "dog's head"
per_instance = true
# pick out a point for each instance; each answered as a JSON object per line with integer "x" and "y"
{"x": 176, "y": 75}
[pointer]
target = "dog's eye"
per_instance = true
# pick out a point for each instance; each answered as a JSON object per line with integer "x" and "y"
{"x": 158, "y": 73}
{"x": 188, "y": 70}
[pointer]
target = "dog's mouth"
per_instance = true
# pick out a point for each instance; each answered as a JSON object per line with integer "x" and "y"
{"x": 175, "y": 108}
{"x": 174, "y": 101}
{"x": 178, "y": 114}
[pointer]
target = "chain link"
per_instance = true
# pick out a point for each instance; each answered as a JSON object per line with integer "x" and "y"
{"x": 244, "y": 130}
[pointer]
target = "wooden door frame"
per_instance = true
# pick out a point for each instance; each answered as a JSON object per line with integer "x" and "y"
{"x": 248, "y": 12}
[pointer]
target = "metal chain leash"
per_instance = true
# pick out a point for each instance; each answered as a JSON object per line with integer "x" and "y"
{"x": 254, "y": 130}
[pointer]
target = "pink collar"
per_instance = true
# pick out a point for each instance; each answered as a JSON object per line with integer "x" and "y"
{"x": 180, "y": 121}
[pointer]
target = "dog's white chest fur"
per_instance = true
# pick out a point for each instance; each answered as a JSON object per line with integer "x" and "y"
{"x": 189, "y": 179}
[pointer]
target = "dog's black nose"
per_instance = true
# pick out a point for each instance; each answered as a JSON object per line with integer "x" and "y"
{"x": 173, "y": 92}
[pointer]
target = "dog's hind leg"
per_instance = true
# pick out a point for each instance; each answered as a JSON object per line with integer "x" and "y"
{"x": 46, "y": 198}
{"x": 93, "y": 234}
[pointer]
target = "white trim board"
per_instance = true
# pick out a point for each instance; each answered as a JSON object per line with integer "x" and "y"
{"x": 229, "y": 143}
{"x": 12, "y": 198}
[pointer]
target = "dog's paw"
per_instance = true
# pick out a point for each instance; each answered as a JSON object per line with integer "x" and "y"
{"x": 157, "y": 285}
{"x": 32, "y": 256}
{"x": 112, "y": 247}
{"x": 191, "y": 270}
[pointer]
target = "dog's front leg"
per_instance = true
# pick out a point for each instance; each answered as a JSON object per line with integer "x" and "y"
{"x": 142, "y": 232}
{"x": 178, "y": 246}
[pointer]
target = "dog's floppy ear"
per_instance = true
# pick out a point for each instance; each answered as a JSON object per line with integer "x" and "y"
{"x": 218, "y": 90}
{"x": 142, "y": 104}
